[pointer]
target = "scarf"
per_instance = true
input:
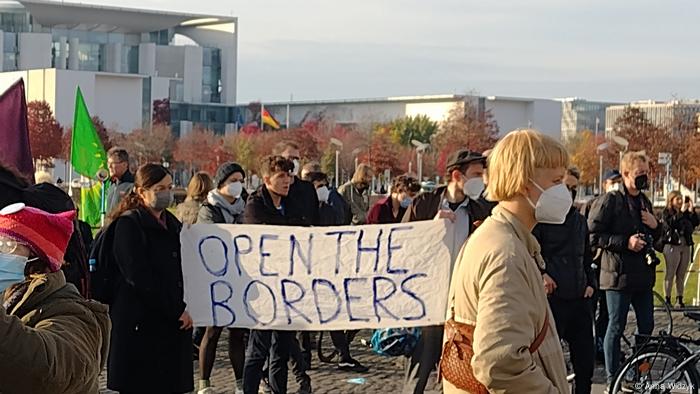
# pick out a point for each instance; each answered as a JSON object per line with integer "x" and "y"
{"x": 230, "y": 211}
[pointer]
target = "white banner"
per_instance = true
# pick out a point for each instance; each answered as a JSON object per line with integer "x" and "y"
{"x": 318, "y": 278}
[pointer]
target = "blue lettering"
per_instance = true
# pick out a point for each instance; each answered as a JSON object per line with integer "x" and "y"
{"x": 338, "y": 243}
{"x": 216, "y": 303}
{"x": 294, "y": 245}
{"x": 392, "y": 249}
{"x": 377, "y": 301}
{"x": 289, "y": 304}
{"x": 349, "y": 298}
{"x": 223, "y": 270}
{"x": 367, "y": 249}
{"x": 314, "y": 285}
{"x": 264, "y": 254}
{"x": 238, "y": 252}
{"x": 413, "y": 295}
{"x": 246, "y": 305}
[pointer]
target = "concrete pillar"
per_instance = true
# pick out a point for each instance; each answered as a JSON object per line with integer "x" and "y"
{"x": 73, "y": 59}
{"x": 62, "y": 57}
{"x": 147, "y": 59}
{"x": 2, "y": 51}
{"x": 193, "y": 74}
{"x": 228, "y": 75}
{"x": 113, "y": 57}
{"x": 34, "y": 51}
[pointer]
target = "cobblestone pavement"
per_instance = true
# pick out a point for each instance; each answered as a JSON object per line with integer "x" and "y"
{"x": 386, "y": 374}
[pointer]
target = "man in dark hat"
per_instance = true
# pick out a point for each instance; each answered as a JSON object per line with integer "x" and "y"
{"x": 459, "y": 202}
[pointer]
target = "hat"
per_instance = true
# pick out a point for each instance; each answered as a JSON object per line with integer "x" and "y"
{"x": 225, "y": 170}
{"x": 46, "y": 234}
{"x": 612, "y": 174}
{"x": 464, "y": 156}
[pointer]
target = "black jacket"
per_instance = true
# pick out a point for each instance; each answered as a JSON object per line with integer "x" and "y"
{"x": 611, "y": 222}
{"x": 149, "y": 352}
{"x": 302, "y": 201}
{"x": 261, "y": 210}
{"x": 335, "y": 212}
{"x": 567, "y": 255}
{"x": 683, "y": 223}
{"x": 427, "y": 205}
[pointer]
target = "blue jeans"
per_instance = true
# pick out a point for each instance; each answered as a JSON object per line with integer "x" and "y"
{"x": 261, "y": 345}
{"x": 618, "y": 307}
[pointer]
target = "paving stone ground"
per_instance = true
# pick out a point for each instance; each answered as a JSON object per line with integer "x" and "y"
{"x": 386, "y": 374}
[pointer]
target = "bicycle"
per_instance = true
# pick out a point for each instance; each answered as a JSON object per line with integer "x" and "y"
{"x": 662, "y": 364}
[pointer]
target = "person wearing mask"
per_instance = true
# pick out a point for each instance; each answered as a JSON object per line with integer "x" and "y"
{"x": 356, "y": 193}
{"x": 328, "y": 217}
{"x": 197, "y": 191}
{"x": 327, "y": 198}
{"x": 612, "y": 182}
{"x": 392, "y": 208}
{"x": 496, "y": 285}
{"x": 269, "y": 205}
{"x": 459, "y": 203}
{"x": 151, "y": 349}
{"x": 121, "y": 179}
{"x": 621, "y": 223}
{"x": 53, "y": 340}
{"x": 570, "y": 283}
{"x": 679, "y": 219}
{"x": 224, "y": 205}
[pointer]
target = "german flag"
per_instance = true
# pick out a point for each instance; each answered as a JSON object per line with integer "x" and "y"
{"x": 269, "y": 120}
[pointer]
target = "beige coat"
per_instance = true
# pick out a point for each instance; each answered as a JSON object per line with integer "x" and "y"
{"x": 497, "y": 284}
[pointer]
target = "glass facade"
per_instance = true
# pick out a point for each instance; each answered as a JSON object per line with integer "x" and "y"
{"x": 130, "y": 59}
{"x": 92, "y": 57}
{"x": 161, "y": 37}
{"x": 9, "y": 56}
{"x": 14, "y": 22}
{"x": 213, "y": 117}
{"x": 211, "y": 75}
{"x": 146, "y": 102}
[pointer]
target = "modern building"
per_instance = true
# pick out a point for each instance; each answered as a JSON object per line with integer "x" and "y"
{"x": 578, "y": 114}
{"x": 509, "y": 112}
{"x": 123, "y": 60}
{"x": 659, "y": 113}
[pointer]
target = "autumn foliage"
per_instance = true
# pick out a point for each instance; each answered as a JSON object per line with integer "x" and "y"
{"x": 45, "y": 134}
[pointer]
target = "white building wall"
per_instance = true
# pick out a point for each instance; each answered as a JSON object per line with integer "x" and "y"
{"x": 192, "y": 77}
{"x": 547, "y": 115}
{"x": 147, "y": 59}
{"x": 515, "y": 113}
{"x": 67, "y": 82}
{"x": 160, "y": 88}
{"x": 170, "y": 61}
{"x": 118, "y": 100}
{"x": 34, "y": 51}
{"x": 438, "y": 112}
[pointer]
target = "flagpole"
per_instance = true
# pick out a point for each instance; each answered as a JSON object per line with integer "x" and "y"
{"x": 262, "y": 111}
{"x": 102, "y": 204}
{"x": 70, "y": 176}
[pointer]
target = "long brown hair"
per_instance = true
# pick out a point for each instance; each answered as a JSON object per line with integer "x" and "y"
{"x": 672, "y": 196}
{"x": 146, "y": 176}
{"x": 200, "y": 185}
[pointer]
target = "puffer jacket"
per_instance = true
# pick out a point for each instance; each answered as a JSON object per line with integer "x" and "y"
{"x": 682, "y": 222}
{"x": 567, "y": 255}
{"x": 53, "y": 340}
{"x": 611, "y": 222}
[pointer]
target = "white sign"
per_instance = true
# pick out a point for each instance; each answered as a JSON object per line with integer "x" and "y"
{"x": 319, "y": 278}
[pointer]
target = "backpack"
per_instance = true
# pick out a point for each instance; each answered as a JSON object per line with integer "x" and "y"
{"x": 103, "y": 267}
{"x": 395, "y": 342}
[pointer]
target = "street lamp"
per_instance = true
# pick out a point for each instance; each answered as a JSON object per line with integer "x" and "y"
{"x": 339, "y": 144}
{"x": 420, "y": 148}
{"x": 623, "y": 143}
{"x": 600, "y": 149}
{"x": 355, "y": 153}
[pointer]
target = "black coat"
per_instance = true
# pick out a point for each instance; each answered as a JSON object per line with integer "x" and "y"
{"x": 149, "y": 352}
{"x": 427, "y": 205}
{"x": 302, "y": 201}
{"x": 567, "y": 255}
{"x": 261, "y": 210}
{"x": 335, "y": 212}
{"x": 611, "y": 222}
{"x": 683, "y": 223}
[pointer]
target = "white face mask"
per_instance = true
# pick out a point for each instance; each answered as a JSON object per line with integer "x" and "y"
{"x": 295, "y": 172}
{"x": 553, "y": 205}
{"x": 473, "y": 187}
{"x": 615, "y": 187}
{"x": 234, "y": 189}
{"x": 323, "y": 193}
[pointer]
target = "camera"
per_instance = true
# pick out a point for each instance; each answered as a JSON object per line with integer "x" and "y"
{"x": 649, "y": 253}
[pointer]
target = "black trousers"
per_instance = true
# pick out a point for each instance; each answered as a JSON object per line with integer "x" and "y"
{"x": 261, "y": 345}
{"x": 424, "y": 360}
{"x": 300, "y": 356}
{"x": 574, "y": 321}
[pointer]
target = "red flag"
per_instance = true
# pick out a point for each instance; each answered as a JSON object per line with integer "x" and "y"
{"x": 14, "y": 134}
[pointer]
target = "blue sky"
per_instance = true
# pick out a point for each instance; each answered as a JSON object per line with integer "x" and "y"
{"x": 327, "y": 49}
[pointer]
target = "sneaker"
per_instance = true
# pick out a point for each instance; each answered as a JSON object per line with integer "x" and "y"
{"x": 304, "y": 387}
{"x": 352, "y": 365}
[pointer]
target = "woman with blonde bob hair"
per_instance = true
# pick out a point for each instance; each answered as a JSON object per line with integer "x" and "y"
{"x": 497, "y": 284}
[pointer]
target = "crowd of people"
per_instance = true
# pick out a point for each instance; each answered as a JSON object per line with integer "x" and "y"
{"x": 528, "y": 268}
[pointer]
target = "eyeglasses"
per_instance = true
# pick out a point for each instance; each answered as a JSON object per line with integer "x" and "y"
{"x": 8, "y": 246}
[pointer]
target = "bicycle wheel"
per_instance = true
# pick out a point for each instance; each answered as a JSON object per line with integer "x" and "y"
{"x": 644, "y": 373}
{"x": 326, "y": 352}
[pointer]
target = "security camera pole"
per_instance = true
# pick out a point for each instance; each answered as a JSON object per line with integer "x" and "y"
{"x": 102, "y": 176}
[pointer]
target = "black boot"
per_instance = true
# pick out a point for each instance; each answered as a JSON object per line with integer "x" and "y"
{"x": 668, "y": 301}
{"x": 680, "y": 302}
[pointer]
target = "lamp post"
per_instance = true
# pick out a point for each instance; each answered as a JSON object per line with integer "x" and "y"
{"x": 420, "y": 148}
{"x": 339, "y": 145}
{"x": 600, "y": 150}
{"x": 624, "y": 144}
{"x": 355, "y": 153}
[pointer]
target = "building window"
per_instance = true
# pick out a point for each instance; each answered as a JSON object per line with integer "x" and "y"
{"x": 130, "y": 59}
{"x": 146, "y": 102}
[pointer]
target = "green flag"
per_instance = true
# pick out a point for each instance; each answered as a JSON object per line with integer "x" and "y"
{"x": 87, "y": 157}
